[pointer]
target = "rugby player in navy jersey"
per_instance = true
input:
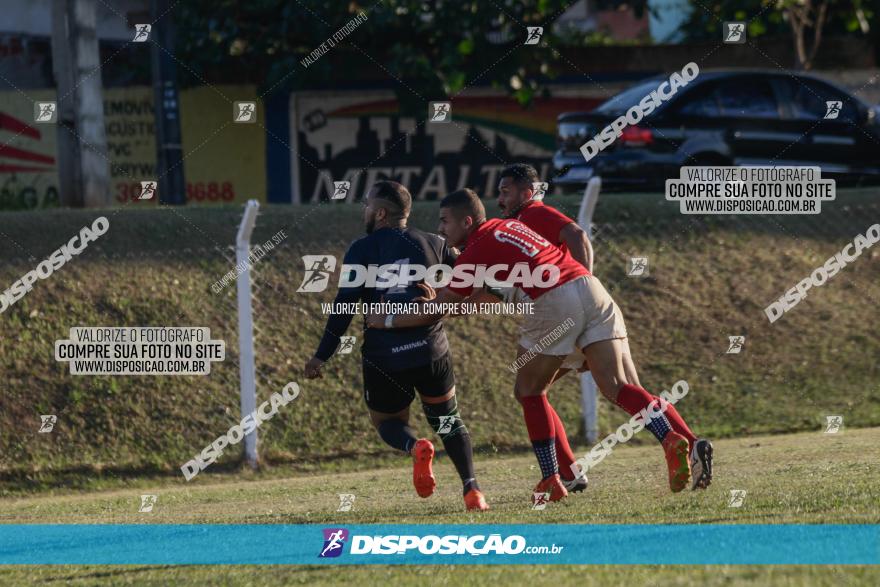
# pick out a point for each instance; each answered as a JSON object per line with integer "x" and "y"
{"x": 397, "y": 364}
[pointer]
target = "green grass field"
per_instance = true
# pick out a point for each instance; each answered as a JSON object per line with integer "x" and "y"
{"x": 120, "y": 437}
{"x": 544, "y": 576}
{"x": 709, "y": 278}
{"x": 797, "y": 478}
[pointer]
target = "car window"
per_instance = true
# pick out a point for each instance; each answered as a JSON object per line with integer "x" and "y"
{"x": 812, "y": 100}
{"x": 627, "y": 98}
{"x": 703, "y": 102}
{"x": 742, "y": 97}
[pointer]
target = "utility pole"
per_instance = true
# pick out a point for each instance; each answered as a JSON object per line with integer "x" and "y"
{"x": 169, "y": 156}
{"x": 83, "y": 168}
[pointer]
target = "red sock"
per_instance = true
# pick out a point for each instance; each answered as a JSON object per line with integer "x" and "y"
{"x": 541, "y": 426}
{"x": 678, "y": 423}
{"x": 633, "y": 399}
{"x": 539, "y": 417}
{"x": 563, "y": 450}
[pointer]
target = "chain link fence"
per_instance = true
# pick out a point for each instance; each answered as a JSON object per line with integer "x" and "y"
{"x": 705, "y": 279}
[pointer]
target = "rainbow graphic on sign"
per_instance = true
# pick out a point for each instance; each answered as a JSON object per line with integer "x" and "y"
{"x": 535, "y": 124}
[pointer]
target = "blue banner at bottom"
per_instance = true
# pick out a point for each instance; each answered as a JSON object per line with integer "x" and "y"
{"x": 692, "y": 544}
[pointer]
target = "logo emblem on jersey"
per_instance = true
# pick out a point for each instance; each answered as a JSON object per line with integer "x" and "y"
{"x": 522, "y": 237}
{"x": 334, "y": 539}
{"x": 318, "y": 270}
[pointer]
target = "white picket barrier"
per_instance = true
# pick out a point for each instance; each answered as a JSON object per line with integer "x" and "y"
{"x": 589, "y": 390}
{"x": 247, "y": 369}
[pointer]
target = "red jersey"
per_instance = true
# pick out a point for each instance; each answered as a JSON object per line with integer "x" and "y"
{"x": 544, "y": 220}
{"x": 504, "y": 241}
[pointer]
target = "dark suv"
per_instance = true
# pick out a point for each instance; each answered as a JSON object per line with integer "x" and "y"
{"x": 724, "y": 118}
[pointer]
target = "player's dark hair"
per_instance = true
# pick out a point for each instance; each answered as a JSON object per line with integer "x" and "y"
{"x": 465, "y": 202}
{"x": 522, "y": 173}
{"x": 396, "y": 199}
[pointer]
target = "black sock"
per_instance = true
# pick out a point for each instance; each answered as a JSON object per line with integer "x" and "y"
{"x": 447, "y": 423}
{"x": 397, "y": 434}
{"x": 459, "y": 449}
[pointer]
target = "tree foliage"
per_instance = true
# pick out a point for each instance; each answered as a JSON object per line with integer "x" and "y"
{"x": 426, "y": 50}
{"x": 805, "y": 21}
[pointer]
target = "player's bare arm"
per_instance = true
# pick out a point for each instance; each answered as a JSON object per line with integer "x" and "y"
{"x": 578, "y": 243}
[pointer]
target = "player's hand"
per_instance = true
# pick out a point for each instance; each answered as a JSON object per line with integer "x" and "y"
{"x": 376, "y": 321}
{"x": 429, "y": 293}
{"x": 313, "y": 368}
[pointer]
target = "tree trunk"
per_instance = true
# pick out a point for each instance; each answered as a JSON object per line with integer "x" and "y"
{"x": 801, "y": 18}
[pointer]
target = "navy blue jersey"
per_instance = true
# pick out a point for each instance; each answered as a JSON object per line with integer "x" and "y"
{"x": 398, "y": 348}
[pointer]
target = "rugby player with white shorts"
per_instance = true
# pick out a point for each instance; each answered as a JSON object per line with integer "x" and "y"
{"x": 574, "y": 298}
{"x": 515, "y": 199}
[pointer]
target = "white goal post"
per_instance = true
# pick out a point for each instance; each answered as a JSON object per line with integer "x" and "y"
{"x": 247, "y": 369}
{"x": 589, "y": 391}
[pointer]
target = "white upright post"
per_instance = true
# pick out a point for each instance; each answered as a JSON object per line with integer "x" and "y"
{"x": 589, "y": 390}
{"x": 247, "y": 370}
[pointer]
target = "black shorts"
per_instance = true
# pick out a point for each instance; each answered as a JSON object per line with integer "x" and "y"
{"x": 390, "y": 391}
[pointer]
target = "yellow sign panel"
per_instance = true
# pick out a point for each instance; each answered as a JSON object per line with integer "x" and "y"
{"x": 224, "y": 161}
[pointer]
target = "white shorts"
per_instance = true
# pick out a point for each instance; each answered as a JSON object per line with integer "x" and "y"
{"x": 570, "y": 317}
{"x": 575, "y": 360}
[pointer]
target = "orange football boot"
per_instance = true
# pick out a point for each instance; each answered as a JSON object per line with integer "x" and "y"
{"x": 423, "y": 475}
{"x": 475, "y": 501}
{"x": 552, "y": 485}
{"x": 676, "y": 448}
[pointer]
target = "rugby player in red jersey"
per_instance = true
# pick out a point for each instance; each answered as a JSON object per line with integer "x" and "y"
{"x": 515, "y": 199}
{"x": 571, "y": 296}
